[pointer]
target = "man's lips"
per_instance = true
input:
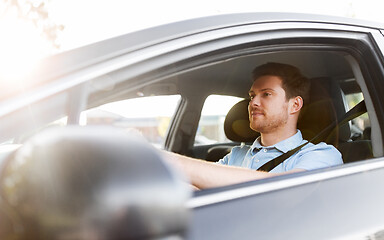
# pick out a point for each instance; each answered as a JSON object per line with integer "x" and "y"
{"x": 255, "y": 113}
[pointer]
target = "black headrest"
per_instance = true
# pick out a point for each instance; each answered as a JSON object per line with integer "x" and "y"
{"x": 93, "y": 183}
{"x": 236, "y": 124}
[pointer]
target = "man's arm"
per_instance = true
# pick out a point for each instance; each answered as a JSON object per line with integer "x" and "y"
{"x": 203, "y": 174}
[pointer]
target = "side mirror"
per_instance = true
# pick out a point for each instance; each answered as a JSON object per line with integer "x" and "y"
{"x": 91, "y": 183}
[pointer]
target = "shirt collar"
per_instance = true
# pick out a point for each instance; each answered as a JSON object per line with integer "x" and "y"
{"x": 284, "y": 146}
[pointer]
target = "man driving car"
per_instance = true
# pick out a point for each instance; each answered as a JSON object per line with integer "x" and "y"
{"x": 277, "y": 96}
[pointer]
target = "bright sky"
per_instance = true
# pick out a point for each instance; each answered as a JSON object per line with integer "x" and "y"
{"x": 88, "y": 21}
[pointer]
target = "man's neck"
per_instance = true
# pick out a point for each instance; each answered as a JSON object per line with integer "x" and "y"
{"x": 269, "y": 139}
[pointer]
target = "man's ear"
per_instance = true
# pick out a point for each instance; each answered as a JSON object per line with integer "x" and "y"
{"x": 296, "y": 104}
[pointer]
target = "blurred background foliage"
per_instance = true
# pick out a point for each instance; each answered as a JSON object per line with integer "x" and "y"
{"x": 36, "y": 12}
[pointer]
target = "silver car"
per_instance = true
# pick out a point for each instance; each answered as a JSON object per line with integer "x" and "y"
{"x": 80, "y": 139}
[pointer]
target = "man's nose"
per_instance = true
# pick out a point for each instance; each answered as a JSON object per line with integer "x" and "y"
{"x": 255, "y": 101}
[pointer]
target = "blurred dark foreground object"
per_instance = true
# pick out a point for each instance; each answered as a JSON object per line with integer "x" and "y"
{"x": 90, "y": 183}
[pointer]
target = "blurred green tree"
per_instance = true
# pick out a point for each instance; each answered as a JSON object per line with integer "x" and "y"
{"x": 35, "y": 11}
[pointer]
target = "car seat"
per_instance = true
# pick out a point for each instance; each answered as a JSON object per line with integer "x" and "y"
{"x": 325, "y": 106}
{"x": 236, "y": 129}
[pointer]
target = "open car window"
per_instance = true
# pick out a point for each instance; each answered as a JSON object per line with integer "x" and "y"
{"x": 360, "y": 126}
{"x": 148, "y": 117}
{"x": 211, "y": 124}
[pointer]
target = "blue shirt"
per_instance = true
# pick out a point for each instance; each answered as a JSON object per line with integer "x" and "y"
{"x": 308, "y": 157}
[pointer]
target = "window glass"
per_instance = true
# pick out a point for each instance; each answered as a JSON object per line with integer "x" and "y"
{"x": 211, "y": 124}
{"x": 147, "y": 116}
{"x": 360, "y": 125}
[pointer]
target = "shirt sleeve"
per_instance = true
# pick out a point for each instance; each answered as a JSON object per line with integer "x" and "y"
{"x": 236, "y": 157}
{"x": 225, "y": 159}
{"x": 318, "y": 156}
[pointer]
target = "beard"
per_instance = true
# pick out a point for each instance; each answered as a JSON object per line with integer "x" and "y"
{"x": 269, "y": 123}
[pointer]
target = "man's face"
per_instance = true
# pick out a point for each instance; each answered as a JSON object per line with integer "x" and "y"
{"x": 268, "y": 107}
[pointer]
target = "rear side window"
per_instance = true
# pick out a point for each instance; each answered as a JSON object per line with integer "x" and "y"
{"x": 149, "y": 117}
{"x": 211, "y": 124}
{"x": 360, "y": 125}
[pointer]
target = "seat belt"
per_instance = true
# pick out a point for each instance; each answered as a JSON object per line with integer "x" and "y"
{"x": 268, "y": 166}
{"x": 356, "y": 111}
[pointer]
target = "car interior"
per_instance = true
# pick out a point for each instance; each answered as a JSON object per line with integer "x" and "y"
{"x": 331, "y": 79}
{"x": 334, "y": 91}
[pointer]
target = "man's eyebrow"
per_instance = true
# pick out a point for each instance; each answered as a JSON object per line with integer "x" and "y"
{"x": 262, "y": 90}
{"x": 267, "y": 89}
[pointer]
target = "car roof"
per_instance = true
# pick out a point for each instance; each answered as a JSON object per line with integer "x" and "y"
{"x": 143, "y": 38}
{"x": 139, "y": 39}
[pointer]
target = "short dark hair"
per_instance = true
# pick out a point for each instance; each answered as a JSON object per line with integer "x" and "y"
{"x": 293, "y": 82}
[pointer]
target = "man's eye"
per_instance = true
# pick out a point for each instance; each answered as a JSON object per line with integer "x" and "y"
{"x": 251, "y": 97}
{"x": 267, "y": 94}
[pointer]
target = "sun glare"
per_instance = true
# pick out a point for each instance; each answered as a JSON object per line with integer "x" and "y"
{"x": 21, "y": 47}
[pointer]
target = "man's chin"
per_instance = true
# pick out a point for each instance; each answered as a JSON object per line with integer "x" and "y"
{"x": 255, "y": 128}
